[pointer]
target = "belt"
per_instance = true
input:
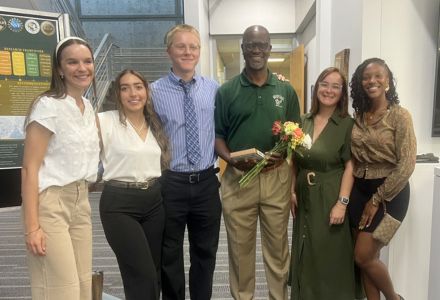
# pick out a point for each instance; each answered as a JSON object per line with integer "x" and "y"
{"x": 192, "y": 177}
{"x": 272, "y": 167}
{"x": 316, "y": 177}
{"x": 132, "y": 185}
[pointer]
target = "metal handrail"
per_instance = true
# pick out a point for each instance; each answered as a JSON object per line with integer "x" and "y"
{"x": 103, "y": 71}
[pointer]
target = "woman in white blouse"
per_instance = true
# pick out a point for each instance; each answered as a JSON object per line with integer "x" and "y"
{"x": 61, "y": 154}
{"x": 134, "y": 153}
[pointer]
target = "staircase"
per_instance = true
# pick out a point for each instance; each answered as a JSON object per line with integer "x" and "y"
{"x": 110, "y": 60}
{"x": 152, "y": 63}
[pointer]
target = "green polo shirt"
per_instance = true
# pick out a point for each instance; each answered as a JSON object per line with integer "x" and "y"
{"x": 245, "y": 112}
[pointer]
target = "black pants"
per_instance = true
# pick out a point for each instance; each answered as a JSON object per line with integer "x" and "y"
{"x": 133, "y": 222}
{"x": 196, "y": 205}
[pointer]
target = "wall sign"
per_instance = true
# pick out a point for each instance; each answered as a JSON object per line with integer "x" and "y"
{"x": 27, "y": 41}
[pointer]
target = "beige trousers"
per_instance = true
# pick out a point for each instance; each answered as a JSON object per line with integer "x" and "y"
{"x": 65, "y": 273}
{"x": 266, "y": 198}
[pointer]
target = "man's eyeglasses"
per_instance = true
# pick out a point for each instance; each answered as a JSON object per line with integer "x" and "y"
{"x": 332, "y": 86}
{"x": 182, "y": 48}
{"x": 249, "y": 46}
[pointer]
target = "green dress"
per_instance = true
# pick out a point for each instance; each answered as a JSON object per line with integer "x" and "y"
{"x": 322, "y": 266}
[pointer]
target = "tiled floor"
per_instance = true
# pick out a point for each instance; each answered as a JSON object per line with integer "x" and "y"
{"x": 14, "y": 281}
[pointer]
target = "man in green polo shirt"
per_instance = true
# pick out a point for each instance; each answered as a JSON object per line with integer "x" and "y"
{"x": 246, "y": 108}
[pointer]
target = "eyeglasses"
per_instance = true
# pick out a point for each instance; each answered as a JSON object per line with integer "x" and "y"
{"x": 249, "y": 46}
{"x": 331, "y": 86}
{"x": 182, "y": 48}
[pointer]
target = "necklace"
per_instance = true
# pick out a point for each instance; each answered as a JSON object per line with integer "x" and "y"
{"x": 374, "y": 115}
{"x": 138, "y": 129}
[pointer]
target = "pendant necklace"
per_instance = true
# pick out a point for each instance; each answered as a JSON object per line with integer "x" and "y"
{"x": 138, "y": 129}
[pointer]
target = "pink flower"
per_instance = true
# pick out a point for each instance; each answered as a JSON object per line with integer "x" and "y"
{"x": 277, "y": 127}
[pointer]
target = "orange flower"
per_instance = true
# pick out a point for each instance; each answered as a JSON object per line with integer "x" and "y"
{"x": 298, "y": 133}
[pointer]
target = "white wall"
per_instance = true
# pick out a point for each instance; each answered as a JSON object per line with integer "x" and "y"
{"x": 323, "y": 34}
{"x": 196, "y": 14}
{"x": 404, "y": 33}
{"x": 302, "y": 10}
{"x": 346, "y": 18}
{"x": 233, "y": 17}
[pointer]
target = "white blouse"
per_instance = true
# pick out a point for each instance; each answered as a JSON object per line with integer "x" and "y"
{"x": 125, "y": 156}
{"x": 73, "y": 150}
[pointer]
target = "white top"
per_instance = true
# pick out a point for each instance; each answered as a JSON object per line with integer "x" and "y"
{"x": 125, "y": 156}
{"x": 73, "y": 150}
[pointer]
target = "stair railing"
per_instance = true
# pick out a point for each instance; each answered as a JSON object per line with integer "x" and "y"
{"x": 103, "y": 71}
{"x": 152, "y": 63}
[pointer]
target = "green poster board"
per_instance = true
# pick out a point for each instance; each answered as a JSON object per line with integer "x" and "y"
{"x": 27, "y": 41}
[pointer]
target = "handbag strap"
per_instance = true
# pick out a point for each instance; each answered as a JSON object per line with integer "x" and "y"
{"x": 384, "y": 208}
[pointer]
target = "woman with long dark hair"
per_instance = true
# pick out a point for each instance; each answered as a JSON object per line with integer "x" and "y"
{"x": 134, "y": 154}
{"x": 384, "y": 155}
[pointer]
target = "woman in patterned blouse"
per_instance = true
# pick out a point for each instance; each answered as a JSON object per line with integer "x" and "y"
{"x": 384, "y": 155}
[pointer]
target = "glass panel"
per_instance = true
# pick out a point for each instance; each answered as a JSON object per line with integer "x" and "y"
{"x": 129, "y": 34}
{"x": 127, "y": 7}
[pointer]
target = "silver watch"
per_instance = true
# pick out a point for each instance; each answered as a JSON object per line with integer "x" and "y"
{"x": 344, "y": 200}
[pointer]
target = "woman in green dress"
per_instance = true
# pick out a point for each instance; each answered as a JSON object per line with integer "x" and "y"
{"x": 322, "y": 248}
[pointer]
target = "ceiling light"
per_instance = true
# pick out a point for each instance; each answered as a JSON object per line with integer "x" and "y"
{"x": 276, "y": 59}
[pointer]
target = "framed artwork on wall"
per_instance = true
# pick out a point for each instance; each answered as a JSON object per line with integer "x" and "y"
{"x": 341, "y": 61}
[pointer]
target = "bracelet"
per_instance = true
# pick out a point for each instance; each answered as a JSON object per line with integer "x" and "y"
{"x": 374, "y": 201}
{"x": 30, "y": 232}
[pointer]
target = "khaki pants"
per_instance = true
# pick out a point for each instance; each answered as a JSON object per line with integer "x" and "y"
{"x": 65, "y": 273}
{"x": 267, "y": 197}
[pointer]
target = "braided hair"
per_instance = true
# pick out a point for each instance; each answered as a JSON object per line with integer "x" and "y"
{"x": 361, "y": 101}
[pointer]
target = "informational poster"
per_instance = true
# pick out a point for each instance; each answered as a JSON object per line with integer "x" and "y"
{"x": 27, "y": 43}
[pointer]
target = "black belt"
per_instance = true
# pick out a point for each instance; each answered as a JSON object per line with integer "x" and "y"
{"x": 192, "y": 177}
{"x": 132, "y": 185}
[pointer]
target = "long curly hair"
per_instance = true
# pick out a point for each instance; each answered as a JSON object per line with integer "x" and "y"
{"x": 342, "y": 105}
{"x": 361, "y": 101}
{"x": 151, "y": 117}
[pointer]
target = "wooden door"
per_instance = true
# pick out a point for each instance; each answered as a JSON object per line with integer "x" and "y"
{"x": 297, "y": 74}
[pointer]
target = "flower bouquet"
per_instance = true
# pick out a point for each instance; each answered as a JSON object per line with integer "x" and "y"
{"x": 291, "y": 137}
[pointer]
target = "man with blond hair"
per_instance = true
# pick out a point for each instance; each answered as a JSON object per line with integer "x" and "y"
{"x": 185, "y": 104}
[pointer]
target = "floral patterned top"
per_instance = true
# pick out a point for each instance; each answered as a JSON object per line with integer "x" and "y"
{"x": 385, "y": 148}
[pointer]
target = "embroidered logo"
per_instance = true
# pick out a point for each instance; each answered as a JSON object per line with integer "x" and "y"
{"x": 279, "y": 100}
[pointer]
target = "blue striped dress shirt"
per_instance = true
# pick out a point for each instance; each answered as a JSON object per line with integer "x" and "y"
{"x": 168, "y": 95}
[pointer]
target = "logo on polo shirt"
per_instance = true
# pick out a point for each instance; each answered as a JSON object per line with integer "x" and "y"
{"x": 279, "y": 100}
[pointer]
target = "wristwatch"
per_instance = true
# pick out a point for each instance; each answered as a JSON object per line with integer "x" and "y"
{"x": 344, "y": 200}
